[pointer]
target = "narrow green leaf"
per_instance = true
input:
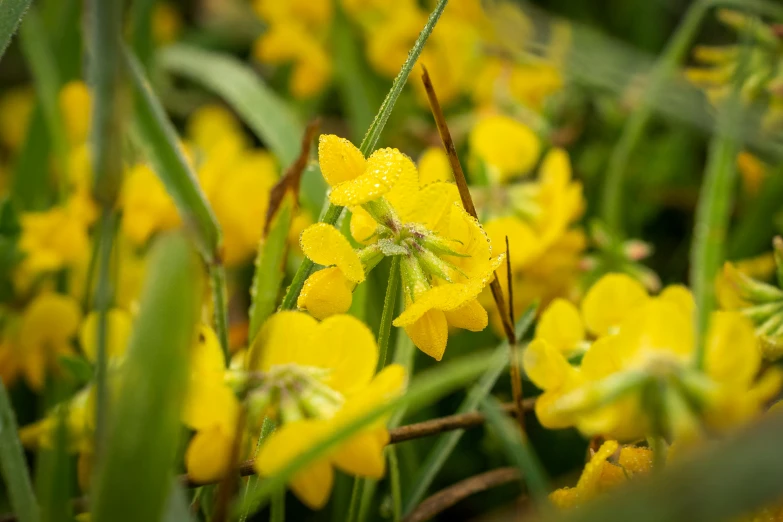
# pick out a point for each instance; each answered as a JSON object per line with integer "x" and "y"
{"x": 260, "y": 107}
{"x": 426, "y": 387}
{"x": 40, "y": 56}
{"x": 177, "y": 509}
{"x": 270, "y": 266}
{"x": 31, "y": 185}
{"x": 11, "y": 14}
{"x": 13, "y": 466}
{"x": 446, "y": 443}
{"x": 137, "y": 467}
{"x": 54, "y": 474}
{"x": 217, "y": 279}
{"x": 156, "y": 136}
{"x": 389, "y": 300}
{"x": 731, "y": 479}
{"x": 518, "y": 449}
{"x": 141, "y": 30}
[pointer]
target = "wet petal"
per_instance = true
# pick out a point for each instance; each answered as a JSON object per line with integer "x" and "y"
{"x": 325, "y": 245}
{"x": 470, "y": 316}
{"x": 384, "y": 168}
{"x": 430, "y": 333}
{"x": 339, "y": 159}
{"x": 326, "y": 293}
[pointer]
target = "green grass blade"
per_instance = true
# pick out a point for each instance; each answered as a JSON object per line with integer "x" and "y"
{"x": 30, "y": 186}
{"x": 260, "y": 107}
{"x": 46, "y": 78}
{"x": 733, "y": 478}
{"x": 13, "y": 466}
{"x": 141, "y": 30}
{"x": 446, "y": 443}
{"x": 134, "y": 476}
{"x": 157, "y": 138}
{"x": 518, "y": 449}
{"x": 270, "y": 266}
{"x": 425, "y": 388}
{"x": 177, "y": 508}
{"x": 11, "y": 14}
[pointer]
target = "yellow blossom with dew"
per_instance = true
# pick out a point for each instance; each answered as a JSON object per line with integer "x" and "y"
{"x": 31, "y": 343}
{"x": 333, "y": 362}
{"x": 506, "y": 147}
{"x": 643, "y": 340}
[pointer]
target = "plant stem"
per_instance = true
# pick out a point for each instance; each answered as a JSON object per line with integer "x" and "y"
{"x": 368, "y": 144}
{"x": 394, "y": 478}
{"x": 612, "y": 201}
{"x": 384, "y": 331}
{"x": 277, "y": 506}
{"x": 356, "y": 493}
{"x": 217, "y": 276}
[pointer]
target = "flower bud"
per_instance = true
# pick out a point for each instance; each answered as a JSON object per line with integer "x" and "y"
{"x": 383, "y": 213}
{"x": 750, "y": 289}
{"x": 326, "y": 293}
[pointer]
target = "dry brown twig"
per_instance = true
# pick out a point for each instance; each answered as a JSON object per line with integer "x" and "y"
{"x": 467, "y": 201}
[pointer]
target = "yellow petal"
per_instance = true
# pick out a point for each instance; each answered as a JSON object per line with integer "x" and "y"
{"x": 505, "y": 145}
{"x": 208, "y": 456}
{"x": 430, "y": 333}
{"x": 659, "y": 326}
{"x": 281, "y": 340}
{"x": 442, "y": 297}
{"x": 363, "y": 226}
{"x": 732, "y": 356}
{"x": 545, "y": 365}
{"x": 434, "y": 166}
{"x": 470, "y": 316}
{"x": 636, "y": 460}
{"x": 339, "y": 159}
{"x": 602, "y": 359}
{"x": 118, "y": 328}
{"x": 362, "y": 456}
{"x": 591, "y": 480}
{"x": 209, "y": 404}
{"x": 325, "y": 245}
{"x": 524, "y": 244}
{"x": 313, "y": 484}
{"x": 206, "y": 358}
{"x": 555, "y": 169}
{"x": 326, "y": 293}
{"x": 609, "y": 301}
{"x": 347, "y": 347}
{"x": 680, "y": 295}
{"x": 384, "y": 168}
{"x": 388, "y": 384}
{"x": 561, "y": 326}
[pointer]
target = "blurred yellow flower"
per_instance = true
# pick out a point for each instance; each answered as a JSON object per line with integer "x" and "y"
{"x": 166, "y": 23}
{"x": 16, "y": 106}
{"x": 434, "y": 166}
{"x": 52, "y": 240}
{"x": 753, "y": 172}
{"x": 75, "y": 107}
{"x": 118, "y": 328}
{"x": 31, "y": 344}
{"x": 504, "y": 146}
{"x": 147, "y": 207}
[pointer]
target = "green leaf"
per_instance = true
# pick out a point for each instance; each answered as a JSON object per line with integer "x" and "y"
{"x": 13, "y": 466}
{"x": 177, "y": 508}
{"x": 78, "y": 367}
{"x": 141, "y": 29}
{"x": 730, "y": 479}
{"x": 157, "y": 138}
{"x": 46, "y": 77}
{"x": 425, "y": 388}
{"x": 478, "y": 392}
{"x": 260, "y": 107}
{"x": 136, "y": 466}
{"x": 270, "y": 266}
{"x": 518, "y": 449}
{"x": 11, "y": 13}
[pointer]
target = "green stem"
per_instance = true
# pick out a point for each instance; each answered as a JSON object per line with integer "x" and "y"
{"x": 369, "y": 487}
{"x": 217, "y": 276}
{"x": 277, "y": 506}
{"x": 368, "y": 144}
{"x": 13, "y": 465}
{"x": 679, "y": 44}
{"x": 394, "y": 478}
{"x": 384, "y": 331}
{"x": 103, "y": 302}
{"x": 141, "y": 30}
{"x": 356, "y": 494}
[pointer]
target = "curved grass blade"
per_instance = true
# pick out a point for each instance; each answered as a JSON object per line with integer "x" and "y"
{"x": 11, "y": 14}
{"x": 13, "y": 466}
{"x": 155, "y": 135}
{"x": 135, "y": 474}
{"x": 446, "y": 443}
{"x": 425, "y": 388}
{"x": 263, "y": 110}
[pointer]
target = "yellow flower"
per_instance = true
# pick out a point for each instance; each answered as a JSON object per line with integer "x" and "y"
{"x": 329, "y": 291}
{"x": 210, "y": 125}
{"x": 75, "y": 107}
{"x": 600, "y": 474}
{"x": 506, "y": 147}
{"x": 52, "y": 240}
{"x": 147, "y": 207}
{"x": 32, "y": 344}
{"x": 16, "y": 105}
{"x": 166, "y": 23}
{"x": 753, "y": 172}
{"x": 337, "y": 358}
{"x": 118, "y": 331}
{"x": 354, "y": 179}
{"x": 434, "y": 166}
{"x": 649, "y": 341}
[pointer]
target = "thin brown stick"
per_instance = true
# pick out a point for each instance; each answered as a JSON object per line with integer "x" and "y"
{"x": 506, "y": 318}
{"x": 446, "y": 498}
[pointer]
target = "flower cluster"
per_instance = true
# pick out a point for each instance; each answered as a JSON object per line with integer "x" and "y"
{"x": 445, "y": 256}
{"x": 639, "y": 373}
